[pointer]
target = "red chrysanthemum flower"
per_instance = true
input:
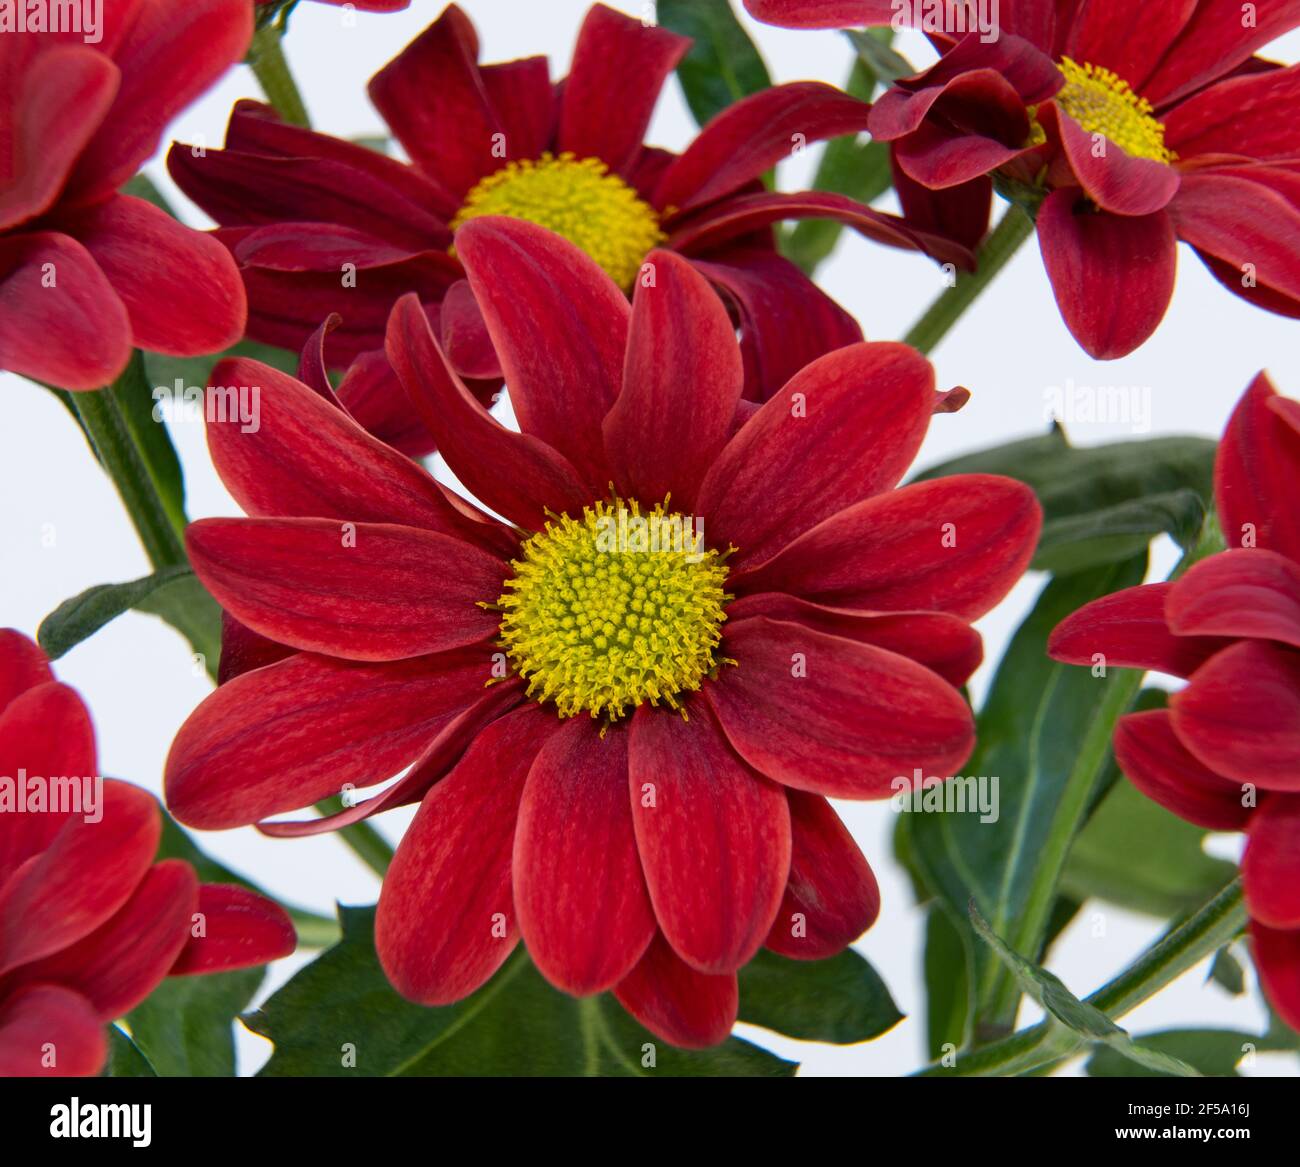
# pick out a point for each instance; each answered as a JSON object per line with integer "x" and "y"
{"x": 1141, "y": 126}
{"x": 320, "y": 225}
{"x": 89, "y": 923}
{"x": 1231, "y": 625}
{"x": 623, "y": 747}
{"x": 87, "y": 273}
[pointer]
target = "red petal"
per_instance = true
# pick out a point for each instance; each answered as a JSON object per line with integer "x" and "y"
{"x": 832, "y": 716}
{"x": 45, "y": 731}
{"x": 372, "y": 394}
{"x": 1113, "y": 275}
{"x": 843, "y": 429}
{"x": 87, "y": 873}
{"x": 285, "y": 736}
{"x": 23, "y": 665}
{"x": 1277, "y": 960}
{"x": 74, "y": 334}
{"x": 58, "y": 101}
{"x": 119, "y": 964}
{"x": 241, "y": 929}
{"x": 823, "y": 13}
{"x": 559, "y": 325}
{"x": 1245, "y": 224}
{"x": 960, "y": 212}
{"x": 434, "y": 99}
{"x": 476, "y": 446}
{"x": 682, "y": 360}
{"x": 1215, "y": 41}
{"x": 181, "y": 289}
{"x": 752, "y": 135}
{"x": 1256, "y": 468}
{"x": 1128, "y": 628}
{"x": 1127, "y": 39}
{"x": 446, "y": 920}
{"x": 955, "y": 544}
{"x": 360, "y": 591}
{"x": 1240, "y": 715}
{"x": 714, "y": 838}
{"x": 690, "y": 1009}
{"x": 243, "y": 650}
{"x": 45, "y": 1020}
{"x": 1156, "y": 762}
{"x": 786, "y": 321}
{"x": 619, "y": 67}
{"x": 308, "y": 458}
{"x": 167, "y": 57}
{"x": 832, "y": 896}
{"x": 1270, "y": 867}
{"x": 1239, "y": 593}
{"x": 1239, "y": 116}
{"x": 945, "y": 644}
{"x": 581, "y": 898}
{"x": 523, "y": 98}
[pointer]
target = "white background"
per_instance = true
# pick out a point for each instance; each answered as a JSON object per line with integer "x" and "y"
{"x": 62, "y": 528}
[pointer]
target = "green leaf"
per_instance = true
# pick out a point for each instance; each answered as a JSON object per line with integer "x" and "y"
{"x": 185, "y": 1026}
{"x": 840, "y": 1000}
{"x": 949, "y": 994}
{"x": 169, "y": 372}
{"x": 852, "y": 166}
{"x": 1102, "y": 503}
{"x": 1074, "y": 542}
{"x": 1227, "y": 973}
{"x": 124, "y": 1058}
{"x": 723, "y": 65}
{"x": 1089, "y": 1022}
{"x": 82, "y": 616}
{"x": 142, "y": 187}
{"x": 189, "y": 608}
{"x": 1038, "y": 734}
{"x": 1137, "y": 855}
{"x": 1213, "y": 1052}
{"x": 339, "y": 1017}
{"x": 875, "y": 49}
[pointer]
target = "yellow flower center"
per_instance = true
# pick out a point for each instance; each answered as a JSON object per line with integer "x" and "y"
{"x": 579, "y": 199}
{"x": 1104, "y": 103}
{"x": 614, "y": 609}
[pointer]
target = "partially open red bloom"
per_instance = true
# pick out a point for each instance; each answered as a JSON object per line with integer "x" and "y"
{"x": 297, "y": 208}
{"x": 622, "y": 749}
{"x": 85, "y": 272}
{"x": 1141, "y": 124}
{"x": 1232, "y": 626}
{"x": 89, "y": 923}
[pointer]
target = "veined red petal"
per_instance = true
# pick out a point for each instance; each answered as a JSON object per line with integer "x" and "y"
{"x": 43, "y": 1020}
{"x": 1270, "y": 867}
{"x": 240, "y": 929}
{"x": 1251, "y": 593}
{"x": 1277, "y": 960}
{"x": 691, "y": 1009}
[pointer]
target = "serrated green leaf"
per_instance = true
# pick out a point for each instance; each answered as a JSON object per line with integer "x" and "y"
{"x": 841, "y": 1000}
{"x": 723, "y": 65}
{"x": 124, "y": 1058}
{"x": 1089, "y": 1022}
{"x": 339, "y": 1017}
{"x": 185, "y": 1027}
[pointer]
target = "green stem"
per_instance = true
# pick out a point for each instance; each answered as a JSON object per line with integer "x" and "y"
{"x": 266, "y": 59}
{"x": 314, "y": 931}
{"x": 102, "y": 418}
{"x": 1217, "y": 923}
{"x": 367, "y": 843}
{"x": 1003, "y": 242}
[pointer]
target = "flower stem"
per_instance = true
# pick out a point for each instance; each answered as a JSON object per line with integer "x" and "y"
{"x": 266, "y": 59}
{"x": 1217, "y": 923}
{"x": 1003, "y": 242}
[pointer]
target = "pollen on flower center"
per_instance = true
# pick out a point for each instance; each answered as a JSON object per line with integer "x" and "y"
{"x": 613, "y": 609}
{"x": 1104, "y": 103}
{"x": 579, "y": 199}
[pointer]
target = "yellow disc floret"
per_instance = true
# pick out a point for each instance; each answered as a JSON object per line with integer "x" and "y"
{"x": 613, "y": 609}
{"x": 1104, "y": 103}
{"x": 579, "y": 199}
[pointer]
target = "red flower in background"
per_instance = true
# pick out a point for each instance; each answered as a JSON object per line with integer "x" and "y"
{"x": 87, "y": 273}
{"x": 1141, "y": 125}
{"x": 296, "y": 207}
{"x": 1231, "y": 626}
{"x": 89, "y": 923}
{"x": 622, "y": 755}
